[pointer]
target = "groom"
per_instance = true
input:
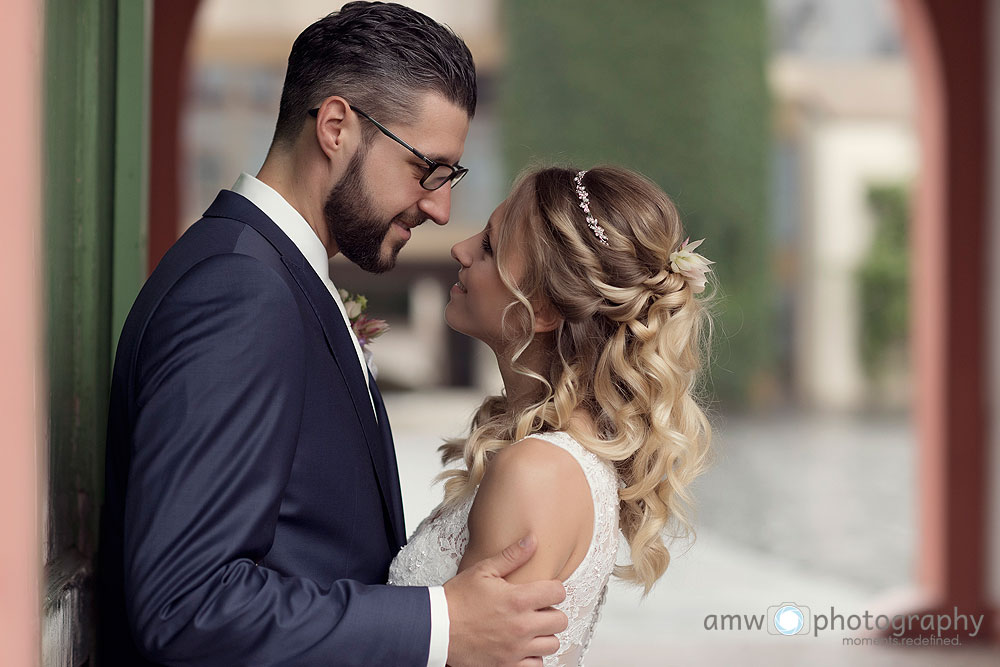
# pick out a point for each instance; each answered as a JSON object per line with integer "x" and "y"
{"x": 253, "y": 503}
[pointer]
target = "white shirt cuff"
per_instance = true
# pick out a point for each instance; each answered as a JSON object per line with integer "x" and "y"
{"x": 437, "y": 656}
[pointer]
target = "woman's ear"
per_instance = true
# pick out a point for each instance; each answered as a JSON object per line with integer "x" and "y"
{"x": 547, "y": 318}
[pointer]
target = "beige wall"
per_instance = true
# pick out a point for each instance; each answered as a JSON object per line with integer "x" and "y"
{"x": 852, "y": 126}
{"x": 845, "y": 156}
{"x": 21, "y": 444}
{"x": 252, "y": 30}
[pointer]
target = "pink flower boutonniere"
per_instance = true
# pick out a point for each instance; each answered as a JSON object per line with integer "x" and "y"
{"x": 365, "y": 328}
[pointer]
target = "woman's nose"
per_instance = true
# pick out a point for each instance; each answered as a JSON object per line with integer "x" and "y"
{"x": 460, "y": 252}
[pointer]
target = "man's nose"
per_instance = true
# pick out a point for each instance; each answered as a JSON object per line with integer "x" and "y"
{"x": 436, "y": 204}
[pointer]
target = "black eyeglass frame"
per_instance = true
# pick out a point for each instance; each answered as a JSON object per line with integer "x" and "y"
{"x": 458, "y": 172}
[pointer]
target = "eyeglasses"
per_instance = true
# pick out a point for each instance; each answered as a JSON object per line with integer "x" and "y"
{"x": 437, "y": 174}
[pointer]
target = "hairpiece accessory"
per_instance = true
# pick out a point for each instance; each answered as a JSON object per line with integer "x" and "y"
{"x": 581, "y": 193}
{"x": 691, "y": 265}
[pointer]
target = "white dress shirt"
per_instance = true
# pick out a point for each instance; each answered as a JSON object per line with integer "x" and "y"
{"x": 305, "y": 239}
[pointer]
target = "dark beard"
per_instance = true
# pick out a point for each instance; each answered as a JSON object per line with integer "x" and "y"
{"x": 354, "y": 224}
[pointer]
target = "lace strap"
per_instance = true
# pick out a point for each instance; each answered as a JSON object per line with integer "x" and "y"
{"x": 603, "y": 482}
{"x": 593, "y": 466}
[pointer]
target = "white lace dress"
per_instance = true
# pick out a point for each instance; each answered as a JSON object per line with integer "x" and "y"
{"x": 436, "y": 547}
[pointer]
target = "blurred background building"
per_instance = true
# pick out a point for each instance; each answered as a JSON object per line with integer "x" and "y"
{"x": 842, "y": 109}
{"x": 835, "y": 153}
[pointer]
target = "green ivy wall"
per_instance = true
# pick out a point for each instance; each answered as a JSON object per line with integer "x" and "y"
{"x": 675, "y": 90}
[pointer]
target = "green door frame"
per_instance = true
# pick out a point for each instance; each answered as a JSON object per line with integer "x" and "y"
{"x": 95, "y": 173}
{"x": 132, "y": 132}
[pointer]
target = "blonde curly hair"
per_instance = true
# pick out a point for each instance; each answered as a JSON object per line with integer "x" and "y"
{"x": 628, "y": 351}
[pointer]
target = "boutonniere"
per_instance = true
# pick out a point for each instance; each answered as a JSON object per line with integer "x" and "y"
{"x": 365, "y": 328}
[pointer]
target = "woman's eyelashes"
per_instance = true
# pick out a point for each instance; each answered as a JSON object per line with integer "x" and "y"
{"x": 487, "y": 248}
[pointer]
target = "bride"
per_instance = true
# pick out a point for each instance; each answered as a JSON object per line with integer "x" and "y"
{"x": 581, "y": 285}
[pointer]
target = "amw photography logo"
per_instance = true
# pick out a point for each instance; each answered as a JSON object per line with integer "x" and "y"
{"x": 786, "y": 618}
{"x": 792, "y": 619}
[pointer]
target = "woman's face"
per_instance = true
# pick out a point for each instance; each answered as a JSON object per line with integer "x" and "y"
{"x": 479, "y": 296}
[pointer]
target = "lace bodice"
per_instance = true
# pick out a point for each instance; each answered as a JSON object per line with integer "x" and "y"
{"x": 437, "y": 545}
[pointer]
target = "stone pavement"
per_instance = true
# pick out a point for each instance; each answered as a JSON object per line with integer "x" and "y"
{"x": 811, "y": 510}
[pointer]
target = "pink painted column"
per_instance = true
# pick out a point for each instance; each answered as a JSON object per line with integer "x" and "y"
{"x": 947, "y": 46}
{"x": 172, "y": 24}
{"x": 22, "y": 454}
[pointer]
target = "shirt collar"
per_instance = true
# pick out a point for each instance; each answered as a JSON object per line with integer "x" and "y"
{"x": 288, "y": 220}
{"x": 295, "y": 227}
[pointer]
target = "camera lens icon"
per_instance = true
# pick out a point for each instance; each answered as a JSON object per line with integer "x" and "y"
{"x": 788, "y": 618}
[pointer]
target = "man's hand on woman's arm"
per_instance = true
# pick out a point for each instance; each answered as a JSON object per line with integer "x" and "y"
{"x": 496, "y": 623}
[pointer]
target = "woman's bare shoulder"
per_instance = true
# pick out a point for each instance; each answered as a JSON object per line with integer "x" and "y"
{"x": 533, "y": 487}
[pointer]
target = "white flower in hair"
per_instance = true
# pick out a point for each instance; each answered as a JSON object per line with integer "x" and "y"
{"x": 691, "y": 265}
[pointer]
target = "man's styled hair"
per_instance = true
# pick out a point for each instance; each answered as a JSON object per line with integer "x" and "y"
{"x": 380, "y": 57}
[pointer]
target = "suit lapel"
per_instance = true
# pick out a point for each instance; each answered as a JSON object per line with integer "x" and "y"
{"x": 338, "y": 338}
{"x": 396, "y": 495}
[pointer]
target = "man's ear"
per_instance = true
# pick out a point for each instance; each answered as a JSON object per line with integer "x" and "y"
{"x": 547, "y": 318}
{"x": 335, "y": 126}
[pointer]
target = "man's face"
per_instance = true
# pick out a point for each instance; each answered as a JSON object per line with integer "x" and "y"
{"x": 370, "y": 213}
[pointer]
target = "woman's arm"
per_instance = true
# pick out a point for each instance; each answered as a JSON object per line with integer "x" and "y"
{"x": 533, "y": 487}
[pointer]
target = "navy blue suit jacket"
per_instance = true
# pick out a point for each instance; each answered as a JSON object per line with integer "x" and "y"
{"x": 253, "y": 500}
